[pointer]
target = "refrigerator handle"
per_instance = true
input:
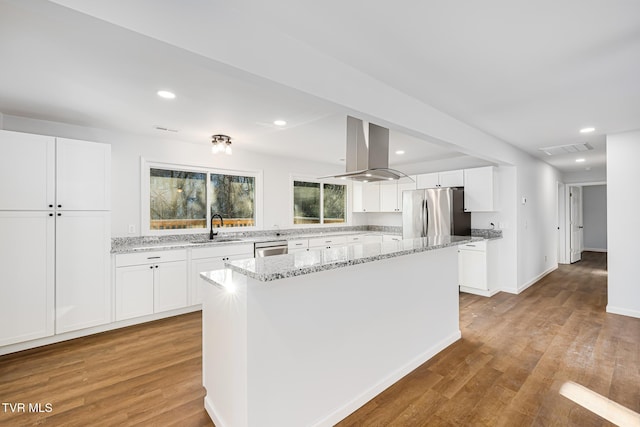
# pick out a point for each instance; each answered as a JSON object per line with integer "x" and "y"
{"x": 426, "y": 218}
{"x": 423, "y": 208}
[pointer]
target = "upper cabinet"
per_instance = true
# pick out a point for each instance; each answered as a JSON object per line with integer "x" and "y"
{"x": 381, "y": 196}
{"x": 453, "y": 178}
{"x": 83, "y": 175}
{"x": 27, "y": 171}
{"x": 391, "y": 194}
{"x": 42, "y": 172}
{"x": 366, "y": 197}
{"x": 481, "y": 189}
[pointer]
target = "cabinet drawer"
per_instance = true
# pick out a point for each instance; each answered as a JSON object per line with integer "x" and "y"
{"x": 139, "y": 258}
{"x": 474, "y": 246}
{"x": 221, "y": 251}
{"x": 391, "y": 238}
{"x": 327, "y": 241}
{"x": 298, "y": 244}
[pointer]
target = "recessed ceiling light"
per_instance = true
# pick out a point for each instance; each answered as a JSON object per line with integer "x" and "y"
{"x": 580, "y": 160}
{"x": 279, "y": 122}
{"x": 400, "y": 152}
{"x": 587, "y": 130}
{"x": 166, "y": 94}
{"x": 367, "y": 175}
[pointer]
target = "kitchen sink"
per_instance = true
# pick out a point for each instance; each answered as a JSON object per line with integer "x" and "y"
{"x": 221, "y": 240}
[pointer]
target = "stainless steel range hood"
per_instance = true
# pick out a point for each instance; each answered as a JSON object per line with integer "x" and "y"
{"x": 367, "y": 153}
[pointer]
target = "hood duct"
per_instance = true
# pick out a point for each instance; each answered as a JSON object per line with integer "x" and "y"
{"x": 367, "y": 153}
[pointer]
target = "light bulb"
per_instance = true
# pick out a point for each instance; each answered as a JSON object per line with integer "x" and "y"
{"x": 227, "y": 150}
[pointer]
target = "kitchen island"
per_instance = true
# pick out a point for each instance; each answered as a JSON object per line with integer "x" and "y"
{"x": 307, "y": 338}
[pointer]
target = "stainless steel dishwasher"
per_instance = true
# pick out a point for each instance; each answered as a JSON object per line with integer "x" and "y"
{"x": 274, "y": 247}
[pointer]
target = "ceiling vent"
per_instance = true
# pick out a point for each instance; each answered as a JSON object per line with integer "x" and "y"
{"x": 565, "y": 149}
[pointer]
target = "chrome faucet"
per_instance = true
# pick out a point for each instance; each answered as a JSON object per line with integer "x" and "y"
{"x": 211, "y": 233}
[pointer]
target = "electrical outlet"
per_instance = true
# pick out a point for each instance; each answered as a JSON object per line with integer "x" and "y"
{"x": 545, "y": 258}
{"x": 132, "y": 229}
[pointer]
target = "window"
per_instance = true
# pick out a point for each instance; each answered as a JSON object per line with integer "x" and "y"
{"x": 178, "y": 199}
{"x": 184, "y": 198}
{"x": 233, "y": 197}
{"x": 319, "y": 203}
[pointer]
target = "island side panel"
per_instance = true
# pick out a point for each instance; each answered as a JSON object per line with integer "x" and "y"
{"x": 323, "y": 344}
{"x": 224, "y": 350}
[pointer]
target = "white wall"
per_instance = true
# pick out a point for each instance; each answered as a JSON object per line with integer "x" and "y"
{"x": 127, "y": 150}
{"x": 623, "y": 174}
{"x": 594, "y": 217}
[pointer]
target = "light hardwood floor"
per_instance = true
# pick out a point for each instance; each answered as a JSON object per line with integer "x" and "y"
{"x": 516, "y": 352}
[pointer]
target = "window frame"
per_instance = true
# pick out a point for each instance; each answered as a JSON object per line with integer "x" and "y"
{"x": 305, "y": 178}
{"x": 145, "y": 197}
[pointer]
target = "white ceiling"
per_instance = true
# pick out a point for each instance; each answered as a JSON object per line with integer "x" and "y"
{"x": 529, "y": 73}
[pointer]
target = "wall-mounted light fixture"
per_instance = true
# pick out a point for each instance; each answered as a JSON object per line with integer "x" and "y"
{"x": 221, "y": 144}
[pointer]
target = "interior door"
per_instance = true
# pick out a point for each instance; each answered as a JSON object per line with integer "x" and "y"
{"x": 575, "y": 215}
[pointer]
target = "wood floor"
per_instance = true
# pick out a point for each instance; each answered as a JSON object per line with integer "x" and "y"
{"x": 516, "y": 352}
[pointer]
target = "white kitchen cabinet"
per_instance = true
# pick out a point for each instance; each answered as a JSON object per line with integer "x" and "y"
{"x": 481, "y": 189}
{"x": 150, "y": 282}
{"x": 477, "y": 268}
{"x": 298, "y": 245}
{"x": 388, "y": 197}
{"x": 364, "y": 238}
{"x": 391, "y": 238}
{"x": 213, "y": 258}
{"x": 454, "y": 178}
{"x": 366, "y": 197}
{"x": 53, "y": 173}
{"x": 61, "y": 181}
{"x": 327, "y": 242}
{"x": 27, "y": 256}
{"x": 134, "y": 291}
{"x": 83, "y": 175}
{"x": 27, "y": 171}
{"x": 83, "y": 286}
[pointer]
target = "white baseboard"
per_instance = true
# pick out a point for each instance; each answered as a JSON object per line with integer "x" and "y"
{"x": 531, "y": 282}
{"x": 12, "y": 348}
{"x": 481, "y": 292}
{"x": 623, "y": 311}
{"x": 350, "y": 407}
{"x": 594, "y": 250}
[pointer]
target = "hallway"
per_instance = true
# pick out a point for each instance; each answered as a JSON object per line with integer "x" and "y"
{"x": 516, "y": 353}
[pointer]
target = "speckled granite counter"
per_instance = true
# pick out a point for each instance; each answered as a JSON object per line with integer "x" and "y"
{"x": 366, "y": 316}
{"x": 300, "y": 263}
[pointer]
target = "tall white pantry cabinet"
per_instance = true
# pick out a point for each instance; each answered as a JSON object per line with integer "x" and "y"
{"x": 55, "y": 228}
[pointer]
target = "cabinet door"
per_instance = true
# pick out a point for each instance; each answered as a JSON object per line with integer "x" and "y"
{"x": 83, "y": 175}
{"x": 451, "y": 178}
{"x": 427, "y": 180}
{"x": 402, "y": 187}
{"x": 357, "y": 189}
{"x": 389, "y": 197}
{"x": 83, "y": 290}
{"x": 472, "y": 269}
{"x": 197, "y": 267}
{"x": 134, "y": 291}
{"x": 27, "y": 265}
{"x": 479, "y": 190}
{"x": 170, "y": 286}
{"x": 371, "y": 197}
{"x": 27, "y": 171}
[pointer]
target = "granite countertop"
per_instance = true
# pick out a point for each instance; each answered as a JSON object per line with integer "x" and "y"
{"x": 299, "y": 263}
{"x": 196, "y": 241}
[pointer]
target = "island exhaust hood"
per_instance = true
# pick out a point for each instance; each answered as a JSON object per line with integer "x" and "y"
{"x": 367, "y": 153}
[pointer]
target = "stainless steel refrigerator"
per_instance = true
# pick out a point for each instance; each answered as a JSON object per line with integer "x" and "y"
{"x": 434, "y": 212}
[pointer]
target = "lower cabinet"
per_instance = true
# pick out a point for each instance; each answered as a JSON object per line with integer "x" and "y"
{"x": 27, "y": 257}
{"x": 83, "y": 267}
{"x": 213, "y": 258}
{"x": 327, "y": 242}
{"x": 477, "y": 268}
{"x": 150, "y": 282}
